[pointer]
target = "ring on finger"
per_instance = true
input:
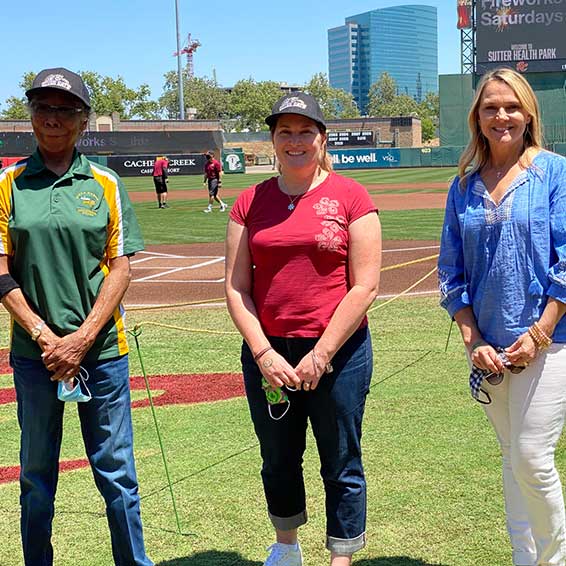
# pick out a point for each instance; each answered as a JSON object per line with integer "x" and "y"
{"x": 306, "y": 385}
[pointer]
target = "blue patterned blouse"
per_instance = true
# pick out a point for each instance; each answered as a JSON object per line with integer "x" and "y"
{"x": 505, "y": 260}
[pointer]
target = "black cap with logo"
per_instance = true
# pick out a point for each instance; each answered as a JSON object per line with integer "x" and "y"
{"x": 60, "y": 79}
{"x": 296, "y": 103}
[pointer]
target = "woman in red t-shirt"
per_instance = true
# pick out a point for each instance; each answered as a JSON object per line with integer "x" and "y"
{"x": 303, "y": 256}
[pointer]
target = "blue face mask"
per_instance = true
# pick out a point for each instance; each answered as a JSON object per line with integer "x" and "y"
{"x": 73, "y": 391}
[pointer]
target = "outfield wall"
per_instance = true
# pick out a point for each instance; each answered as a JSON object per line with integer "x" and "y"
{"x": 457, "y": 91}
{"x": 375, "y": 158}
{"x": 371, "y": 158}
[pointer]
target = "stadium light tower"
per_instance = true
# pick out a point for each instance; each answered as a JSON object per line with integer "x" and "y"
{"x": 179, "y": 73}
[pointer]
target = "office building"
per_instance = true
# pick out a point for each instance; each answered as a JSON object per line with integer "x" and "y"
{"x": 400, "y": 40}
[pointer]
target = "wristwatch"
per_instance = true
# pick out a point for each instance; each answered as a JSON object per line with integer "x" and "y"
{"x": 36, "y": 330}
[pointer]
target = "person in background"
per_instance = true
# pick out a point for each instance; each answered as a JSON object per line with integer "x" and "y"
{"x": 160, "y": 180}
{"x": 502, "y": 275}
{"x": 213, "y": 178}
{"x": 303, "y": 256}
{"x": 67, "y": 231}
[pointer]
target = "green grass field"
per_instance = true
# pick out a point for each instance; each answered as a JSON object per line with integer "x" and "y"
{"x": 239, "y": 181}
{"x": 186, "y": 224}
{"x": 432, "y": 462}
{"x": 431, "y": 459}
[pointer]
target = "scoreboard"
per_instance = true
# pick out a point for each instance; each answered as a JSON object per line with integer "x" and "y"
{"x": 344, "y": 139}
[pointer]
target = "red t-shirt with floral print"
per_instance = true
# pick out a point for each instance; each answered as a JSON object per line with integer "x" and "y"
{"x": 300, "y": 256}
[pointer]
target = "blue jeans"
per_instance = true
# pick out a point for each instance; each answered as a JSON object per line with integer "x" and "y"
{"x": 335, "y": 410}
{"x": 106, "y": 427}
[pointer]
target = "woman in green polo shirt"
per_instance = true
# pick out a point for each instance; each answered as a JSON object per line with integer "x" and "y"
{"x": 67, "y": 230}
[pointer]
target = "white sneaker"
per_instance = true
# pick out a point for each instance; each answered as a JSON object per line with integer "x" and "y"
{"x": 223, "y": 207}
{"x": 284, "y": 555}
{"x": 207, "y": 210}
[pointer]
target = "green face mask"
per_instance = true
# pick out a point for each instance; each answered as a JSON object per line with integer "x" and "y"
{"x": 275, "y": 396}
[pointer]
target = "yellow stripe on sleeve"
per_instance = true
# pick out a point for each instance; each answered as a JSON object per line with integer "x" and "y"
{"x": 121, "y": 331}
{"x": 6, "y": 181}
{"x": 115, "y": 240}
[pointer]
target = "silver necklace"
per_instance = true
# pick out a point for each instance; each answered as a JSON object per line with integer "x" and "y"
{"x": 291, "y": 205}
{"x": 292, "y": 199}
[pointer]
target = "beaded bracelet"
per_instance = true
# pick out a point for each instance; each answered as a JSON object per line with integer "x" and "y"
{"x": 260, "y": 353}
{"x": 540, "y": 338}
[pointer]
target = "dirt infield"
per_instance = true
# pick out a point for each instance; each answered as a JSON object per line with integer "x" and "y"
{"x": 169, "y": 274}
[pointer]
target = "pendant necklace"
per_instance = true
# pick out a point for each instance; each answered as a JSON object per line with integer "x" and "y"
{"x": 292, "y": 199}
{"x": 291, "y": 205}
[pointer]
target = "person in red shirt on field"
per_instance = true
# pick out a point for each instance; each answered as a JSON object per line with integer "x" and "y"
{"x": 212, "y": 177}
{"x": 160, "y": 179}
{"x": 303, "y": 256}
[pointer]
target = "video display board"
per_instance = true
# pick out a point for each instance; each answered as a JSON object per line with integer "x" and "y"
{"x": 343, "y": 139}
{"x": 526, "y": 35}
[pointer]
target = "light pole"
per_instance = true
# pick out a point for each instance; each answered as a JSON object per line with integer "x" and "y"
{"x": 179, "y": 71}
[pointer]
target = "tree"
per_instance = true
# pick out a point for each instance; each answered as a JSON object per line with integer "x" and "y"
{"x": 428, "y": 129}
{"x": 203, "y": 94}
{"x": 334, "y": 102}
{"x": 383, "y": 91}
{"x": 17, "y": 107}
{"x": 383, "y": 101}
{"x": 107, "y": 95}
{"x": 429, "y": 110}
{"x": 430, "y": 104}
{"x": 401, "y": 105}
{"x": 251, "y": 102}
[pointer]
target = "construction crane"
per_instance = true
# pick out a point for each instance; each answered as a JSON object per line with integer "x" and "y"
{"x": 189, "y": 49}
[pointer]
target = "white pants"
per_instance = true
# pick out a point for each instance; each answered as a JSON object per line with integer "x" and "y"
{"x": 527, "y": 413}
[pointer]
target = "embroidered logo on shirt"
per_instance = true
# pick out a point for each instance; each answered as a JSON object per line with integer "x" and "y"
{"x": 57, "y": 80}
{"x": 333, "y": 225}
{"x": 293, "y": 102}
{"x": 87, "y": 203}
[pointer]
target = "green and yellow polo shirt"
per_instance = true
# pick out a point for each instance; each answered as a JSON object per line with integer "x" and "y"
{"x": 59, "y": 234}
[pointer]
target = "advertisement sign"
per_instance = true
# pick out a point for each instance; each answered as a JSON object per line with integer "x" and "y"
{"x": 141, "y": 165}
{"x": 123, "y": 143}
{"x": 343, "y": 139}
{"x": 233, "y": 161}
{"x": 365, "y": 158}
{"x": 464, "y": 14}
{"x": 526, "y": 35}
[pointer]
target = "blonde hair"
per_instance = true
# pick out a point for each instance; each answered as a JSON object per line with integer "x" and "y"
{"x": 477, "y": 152}
{"x": 324, "y": 158}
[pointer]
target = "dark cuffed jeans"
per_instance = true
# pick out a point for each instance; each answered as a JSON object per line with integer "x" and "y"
{"x": 106, "y": 426}
{"x": 335, "y": 410}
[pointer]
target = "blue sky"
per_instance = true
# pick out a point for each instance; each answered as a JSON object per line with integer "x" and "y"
{"x": 267, "y": 40}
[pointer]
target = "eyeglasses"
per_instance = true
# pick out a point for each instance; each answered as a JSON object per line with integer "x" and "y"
{"x": 495, "y": 379}
{"x": 43, "y": 110}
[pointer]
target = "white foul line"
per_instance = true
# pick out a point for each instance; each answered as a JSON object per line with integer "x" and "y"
{"x": 176, "y": 269}
{"x": 412, "y": 249}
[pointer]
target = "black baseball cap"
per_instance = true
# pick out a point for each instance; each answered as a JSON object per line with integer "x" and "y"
{"x": 296, "y": 103}
{"x": 60, "y": 78}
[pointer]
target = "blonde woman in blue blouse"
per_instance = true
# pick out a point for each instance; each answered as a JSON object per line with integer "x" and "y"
{"x": 502, "y": 272}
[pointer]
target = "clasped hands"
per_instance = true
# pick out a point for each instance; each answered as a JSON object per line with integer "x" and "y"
{"x": 520, "y": 353}
{"x": 306, "y": 375}
{"x": 63, "y": 355}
